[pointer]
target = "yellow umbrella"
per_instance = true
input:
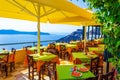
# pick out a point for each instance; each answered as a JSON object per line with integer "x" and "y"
{"x": 40, "y": 11}
{"x": 66, "y": 6}
{"x": 77, "y": 20}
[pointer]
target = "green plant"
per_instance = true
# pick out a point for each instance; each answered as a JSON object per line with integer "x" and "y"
{"x": 107, "y": 12}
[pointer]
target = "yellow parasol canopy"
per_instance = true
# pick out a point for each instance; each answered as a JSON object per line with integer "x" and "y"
{"x": 77, "y": 21}
{"x": 40, "y": 11}
{"x": 49, "y": 9}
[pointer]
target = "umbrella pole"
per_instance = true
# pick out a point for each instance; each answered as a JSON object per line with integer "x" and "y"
{"x": 84, "y": 38}
{"x": 38, "y": 27}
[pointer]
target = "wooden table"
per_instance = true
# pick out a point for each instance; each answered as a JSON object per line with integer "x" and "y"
{"x": 46, "y": 57}
{"x": 83, "y": 57}
{"x": 100, "y": 50}
{"x": 64, "y": 73}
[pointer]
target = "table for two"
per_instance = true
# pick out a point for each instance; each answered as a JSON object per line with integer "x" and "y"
{"x": 46, "y": 57}
{"x": 99, "y": 49}
{"x": 85, "y": 58}
{"x": 64, "y": 73}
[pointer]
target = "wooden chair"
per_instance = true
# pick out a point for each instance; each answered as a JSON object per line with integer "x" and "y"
{"x": 58, "y": 47}
{"x": 108, "y": 76}
{"x": 32, "y": 67}
{"x": 52, "y": 70}
{"x": 53, "y": 51}
{"x": 51, "y": 46}
{"x": 94, "y": 65}
{"x": 77, "y": 61}
{"x": 12, "y": 63}
{"x": 62, "y": 50}
{"x": 100, "y": 65}
{"x": 80, "y": 46}
{"x": 67, "y": 54}
{"x": 4, "y": 57}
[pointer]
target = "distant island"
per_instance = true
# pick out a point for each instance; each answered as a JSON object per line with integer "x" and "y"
{"x": 21, "y": 32}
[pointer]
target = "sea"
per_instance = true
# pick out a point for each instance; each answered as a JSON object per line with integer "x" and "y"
{"x": 21, "y": 38}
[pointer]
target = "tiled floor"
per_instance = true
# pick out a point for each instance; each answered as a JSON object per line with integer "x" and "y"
{"x": 11, "y": 75}
{"x": 20, "y": 73}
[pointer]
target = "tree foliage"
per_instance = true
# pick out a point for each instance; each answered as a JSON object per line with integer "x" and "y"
{"x": 107, "y": 12}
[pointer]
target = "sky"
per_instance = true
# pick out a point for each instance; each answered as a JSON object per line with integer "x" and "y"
{"x": 22, "y": 25}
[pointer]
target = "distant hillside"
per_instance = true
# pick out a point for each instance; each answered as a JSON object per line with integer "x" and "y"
{"x": 76, "y": 35}
{"x": 21, "y": 32}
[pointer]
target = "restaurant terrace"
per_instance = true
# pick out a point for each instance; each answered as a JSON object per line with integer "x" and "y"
{"x": 87, "y": 58}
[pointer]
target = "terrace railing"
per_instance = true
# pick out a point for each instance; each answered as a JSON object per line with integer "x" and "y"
{"x": 19, "y": 45}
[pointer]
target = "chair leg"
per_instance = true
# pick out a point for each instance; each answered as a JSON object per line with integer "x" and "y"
{"x": 49, "y": 74}
{"x": 6, "y": 70}
{"x": 55, "y": 75}
{"x": 42, "y": 71}
{"x": 39, "y": 75}
{"x": 60, "y": 55}
{"x": 13, "y": 65}
{"x": 32, "y": 74}
{"x": 29, "y": 72}
{"x": 10, "y": 67}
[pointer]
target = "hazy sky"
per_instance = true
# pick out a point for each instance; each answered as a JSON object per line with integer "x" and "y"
{"x": 22, "y": 25}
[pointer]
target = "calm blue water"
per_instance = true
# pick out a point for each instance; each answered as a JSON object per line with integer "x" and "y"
{"x": 25, "y": 38}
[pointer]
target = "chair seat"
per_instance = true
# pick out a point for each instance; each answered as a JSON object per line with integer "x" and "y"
{"x": 2, "y": 61}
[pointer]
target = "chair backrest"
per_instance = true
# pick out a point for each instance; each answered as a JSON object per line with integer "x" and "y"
{"x": 30, "y": 60}
{"x": 4, "y": 57}
{"x": 3, "y": 49}
{"x": 94, "y": 65}
{"x": 94, "y": 62}
{"x": 13, "y": 50}
{"x": 63, "y": 47}
{"x": 29, "y": 51}
{"x": 54, "y": 51}
{"x": 108, "y": 76}
{"x": 51, "y": 46}
{"x": 77, "y": 61}
{"x": 69, "y": 50}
